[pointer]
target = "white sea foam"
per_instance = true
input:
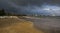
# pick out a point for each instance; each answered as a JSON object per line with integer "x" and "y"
{"x": 8, "y": 17}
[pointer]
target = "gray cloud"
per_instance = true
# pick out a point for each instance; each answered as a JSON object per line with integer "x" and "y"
{"x": 28, "y": 6}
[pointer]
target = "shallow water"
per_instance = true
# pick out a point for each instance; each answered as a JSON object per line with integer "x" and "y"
{"x": 48, "y": 24}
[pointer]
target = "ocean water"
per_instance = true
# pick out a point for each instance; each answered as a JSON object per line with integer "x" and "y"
{"x": 47, "y": 24}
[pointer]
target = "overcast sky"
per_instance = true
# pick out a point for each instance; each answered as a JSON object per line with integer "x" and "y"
{"x": 44, "y": 7}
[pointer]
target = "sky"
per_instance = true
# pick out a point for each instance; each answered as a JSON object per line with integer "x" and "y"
{"x": 43, "y": 7}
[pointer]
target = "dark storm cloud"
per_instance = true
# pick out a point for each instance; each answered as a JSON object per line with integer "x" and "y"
{"x": 36, "y": 2}
{"x": 29, "y": 2}
{"x": 26, "y": 2}
{"x": 27, "y": 6}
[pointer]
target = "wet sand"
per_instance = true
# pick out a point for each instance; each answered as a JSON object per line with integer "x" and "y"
{"x": 16, "y": 25}
{"x": 47, "y": 24}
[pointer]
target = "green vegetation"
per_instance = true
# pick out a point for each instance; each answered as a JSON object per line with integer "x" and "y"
{"x": 2, "y": 12}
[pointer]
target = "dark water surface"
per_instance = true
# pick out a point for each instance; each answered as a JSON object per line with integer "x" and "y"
{"x": 48, "y": 24}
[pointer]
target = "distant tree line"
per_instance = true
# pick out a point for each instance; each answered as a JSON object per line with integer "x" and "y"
{"x": 2, "y": 12}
